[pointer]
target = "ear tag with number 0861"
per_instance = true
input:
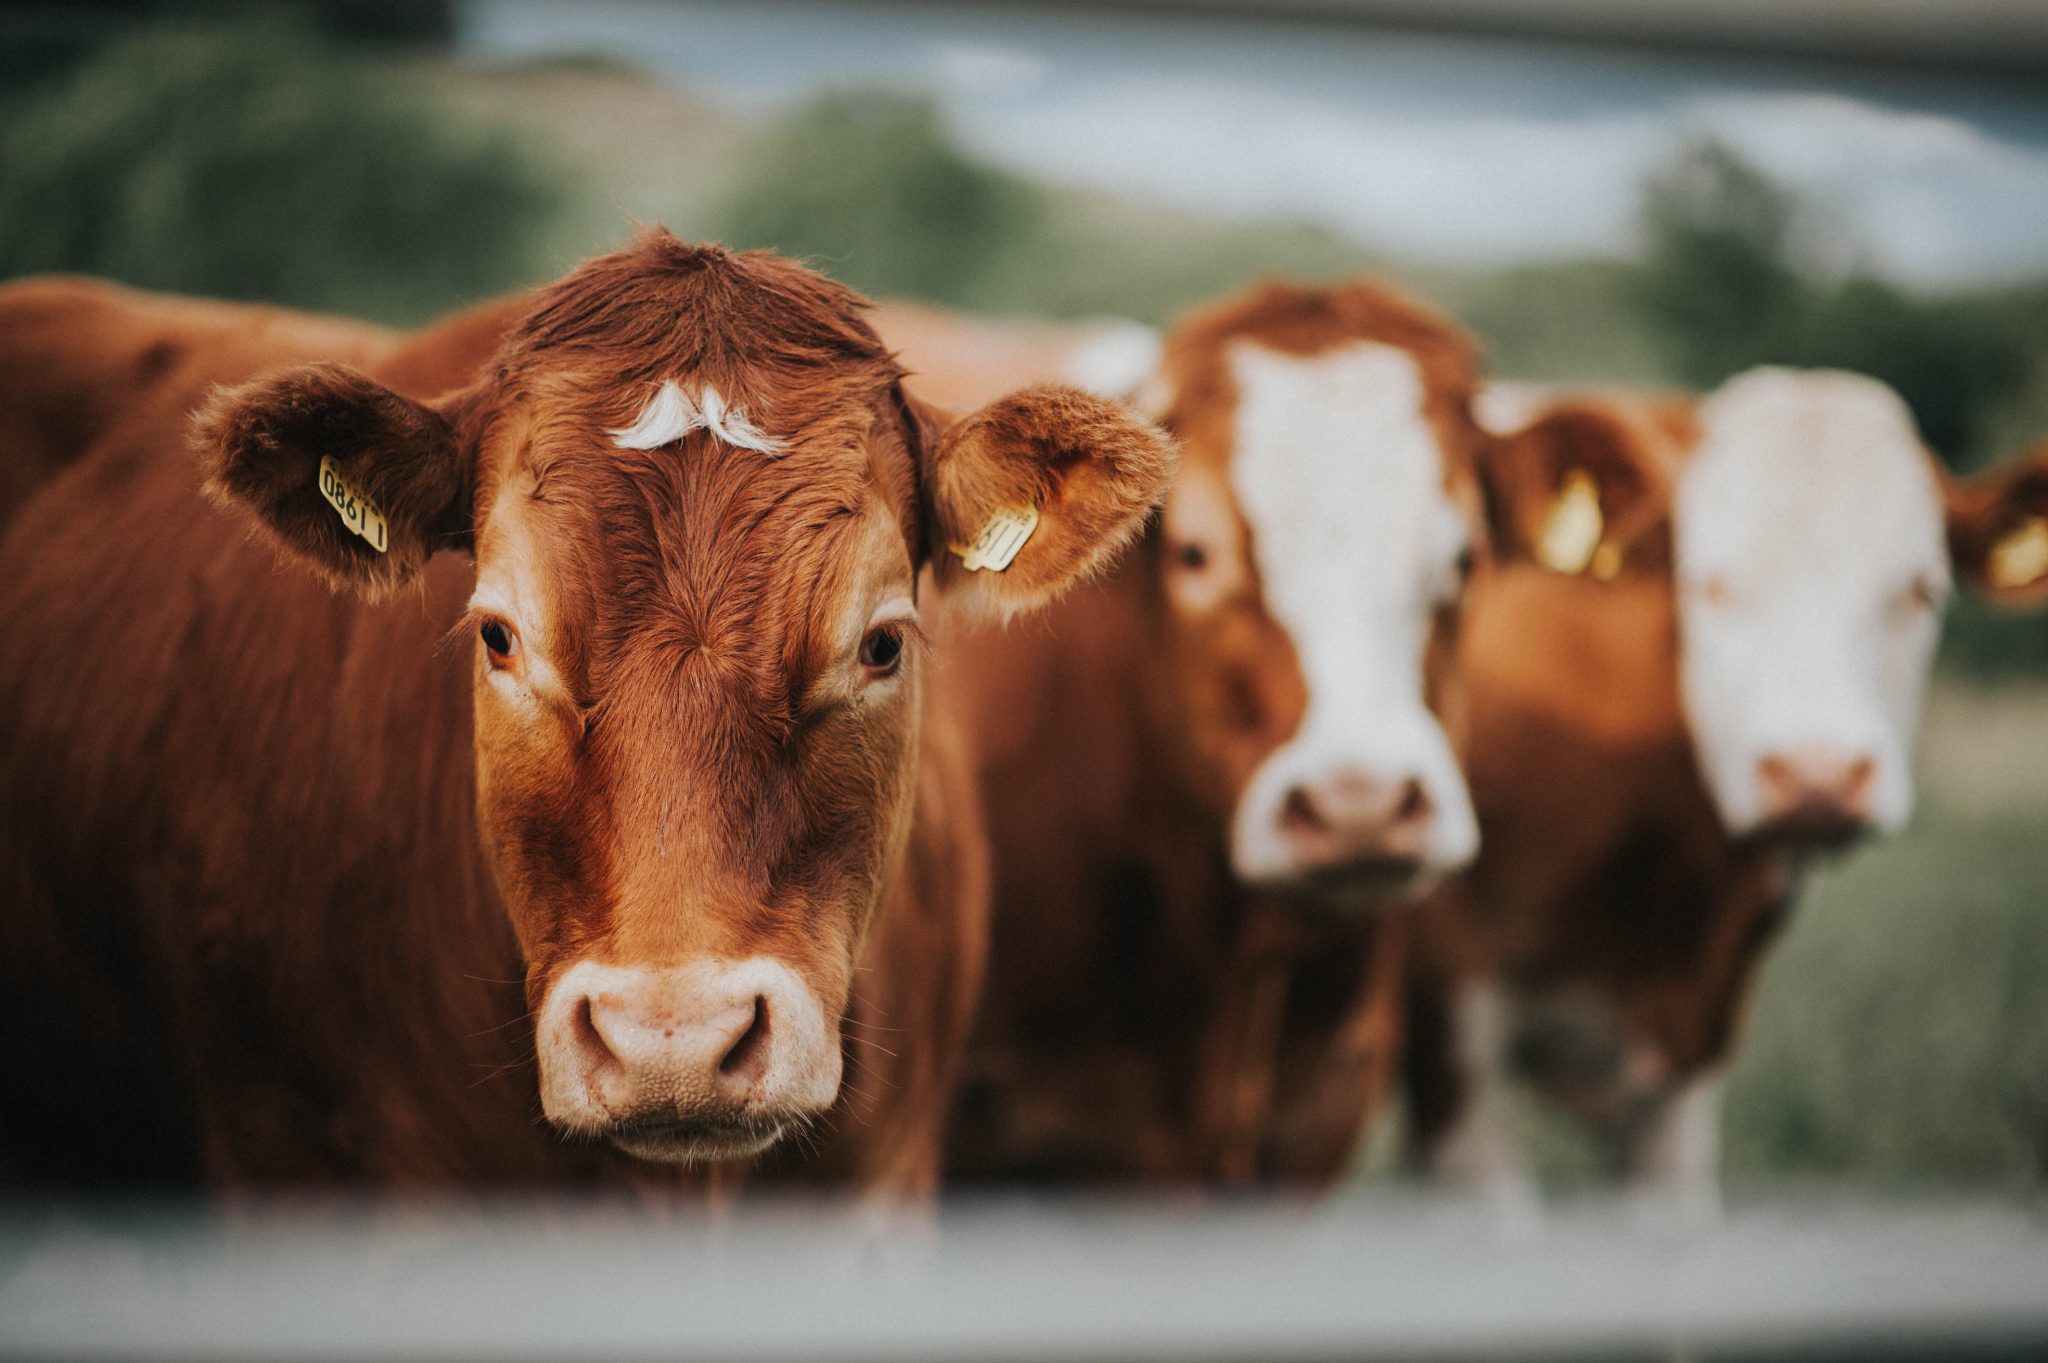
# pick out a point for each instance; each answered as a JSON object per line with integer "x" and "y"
{"x": 357, "y": 512}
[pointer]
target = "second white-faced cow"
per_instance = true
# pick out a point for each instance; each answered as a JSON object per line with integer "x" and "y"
{"x": 1210, "y": 775}
{"x": 1665, "y": 729}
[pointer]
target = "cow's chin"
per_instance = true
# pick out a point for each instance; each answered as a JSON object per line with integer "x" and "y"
{"x": 1353, "y": 888}
{"x": 1818, "y": 831}
{"x": 703, "y": 1140}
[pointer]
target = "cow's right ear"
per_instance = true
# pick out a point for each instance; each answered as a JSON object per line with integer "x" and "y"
{"x": 1998, "y": 531}
{"x": 1580, "y": 490}
{"x": 339, "y": 472}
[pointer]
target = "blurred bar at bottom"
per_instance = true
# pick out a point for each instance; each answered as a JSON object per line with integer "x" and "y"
{"x": 1017, "y": 1280}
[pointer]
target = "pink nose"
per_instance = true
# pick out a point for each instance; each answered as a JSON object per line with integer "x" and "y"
{"x": 1816, "y": 783}
{"x": 1349, "y": 817}
{"x": 705, "y": 1061}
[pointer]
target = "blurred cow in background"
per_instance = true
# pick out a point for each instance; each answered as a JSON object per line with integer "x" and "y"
{"x": 599, "y": 800}
{"x": 1705, "y": 664}
{"x": 1208, "y": 775}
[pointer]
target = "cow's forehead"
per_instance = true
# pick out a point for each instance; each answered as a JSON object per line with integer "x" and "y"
{"x": 1808, "y": 477}
{"x": 1333, "y": 455}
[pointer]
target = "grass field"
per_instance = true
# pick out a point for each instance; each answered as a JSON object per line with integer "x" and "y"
{"x": 1901, "y": 1032}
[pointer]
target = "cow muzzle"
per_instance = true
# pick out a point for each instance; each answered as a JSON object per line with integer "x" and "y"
{"x": 1818, "y": 796}
{"x": 1349, "y": 832}
{"x": 705, "y": 1061}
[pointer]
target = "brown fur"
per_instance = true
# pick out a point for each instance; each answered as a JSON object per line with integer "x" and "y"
{"x": 283, "y": 886}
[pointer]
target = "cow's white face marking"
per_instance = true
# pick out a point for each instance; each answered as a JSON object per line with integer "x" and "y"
{"x": 1811, "y": 565}
{"x": 1340, "y": 478}
{"x": 672, "y": 414}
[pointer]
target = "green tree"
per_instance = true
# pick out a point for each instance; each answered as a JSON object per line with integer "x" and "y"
{"x": 1719, "y": 282}
{"x": 264, "y": 163}
{"x": 869, "y": 185}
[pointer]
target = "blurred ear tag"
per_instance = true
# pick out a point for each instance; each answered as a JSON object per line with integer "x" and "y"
{"x": 2019, "y": 557}
{"x": 357, "y": 512}
{"x": 1570, "y": 537}
{"x": 996, "y": 544}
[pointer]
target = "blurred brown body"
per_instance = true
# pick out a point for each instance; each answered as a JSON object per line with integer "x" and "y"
{"x": 254, "y": 933}
{"x": 1148, "y": 1019}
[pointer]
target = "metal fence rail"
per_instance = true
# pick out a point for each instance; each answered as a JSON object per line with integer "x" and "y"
{"x": 1018, "y": 1281}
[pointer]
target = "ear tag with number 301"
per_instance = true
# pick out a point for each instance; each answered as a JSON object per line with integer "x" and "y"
{"x": 2019, "y": 557}
{"x": 1570, "y": 536}
{"x": 357, "y": 512}
{"x": 996, "y": 544}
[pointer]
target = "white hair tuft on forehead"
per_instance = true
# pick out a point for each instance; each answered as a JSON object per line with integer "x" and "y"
{"x": 673, "y": 414}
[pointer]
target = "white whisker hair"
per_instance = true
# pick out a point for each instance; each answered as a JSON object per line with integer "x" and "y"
{"x": 672, "y": 414}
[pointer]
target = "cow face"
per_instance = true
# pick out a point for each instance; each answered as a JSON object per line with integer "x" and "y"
{"x": 699, "y": 505}
{"x": 1811, "y": 569}
{"x": 1309, "y": 562}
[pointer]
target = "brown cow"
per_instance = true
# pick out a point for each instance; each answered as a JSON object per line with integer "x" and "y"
{"x": 1208, "y": 774}
{"x": 602, "y": 789}
{"x": 1663, "y": 731}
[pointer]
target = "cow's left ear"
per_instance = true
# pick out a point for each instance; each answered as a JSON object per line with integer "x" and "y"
{"x": 1034, "y": 492}
{"x": 1998, "y": 530}
{"x": 1583, "y": 489}
{"x": 341, "y": 474}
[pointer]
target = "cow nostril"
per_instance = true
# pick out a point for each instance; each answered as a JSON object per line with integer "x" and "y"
{"x": 748, "y": 1054}
{"x": 583, "y": 1031}
{"x": 1415, "y": 805}
{"x": 1861, "y": 772}
{"x": 1298, "y": 813}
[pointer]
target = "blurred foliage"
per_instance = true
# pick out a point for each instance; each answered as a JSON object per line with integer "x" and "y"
{"x": 1899, "y": 1036}
{"x": 263, "y": 162}
{"x": 1718, "y": 280}
{"x": 1726, "y": 282}
{"x": 870, "y": 187}
{"x": 44, "y": 39}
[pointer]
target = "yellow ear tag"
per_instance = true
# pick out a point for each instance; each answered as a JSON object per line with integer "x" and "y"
{"x": 357, "y": 512}
{"x": 996, "y": 544}
{"x": 1606, "y": 565}
{"x": 1571, "y": 531}
{"x": 2019, "y": 557}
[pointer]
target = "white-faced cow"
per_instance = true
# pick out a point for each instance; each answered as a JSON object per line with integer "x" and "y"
{"x": 1209, "y": 775}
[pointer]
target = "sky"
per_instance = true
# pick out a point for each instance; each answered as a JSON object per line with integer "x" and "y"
{"x": 1473, "y": 151}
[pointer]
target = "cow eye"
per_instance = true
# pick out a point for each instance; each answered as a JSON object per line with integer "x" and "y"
{"x": 500, "y": 643}
{"x": 881, "y": 651}
{"x": 1191, "y": 556}
{"x": 1925, "y": 594}
{"x": 1464, "y": 564}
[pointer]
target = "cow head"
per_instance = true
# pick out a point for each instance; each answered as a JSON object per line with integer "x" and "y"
{"x": 1308, "y": 565}
{"x": 699, "y": 505}
{"x": 1811, "y": 570}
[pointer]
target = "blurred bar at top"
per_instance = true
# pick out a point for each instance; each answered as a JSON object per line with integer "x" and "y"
{"x": 1994, "y": 36}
